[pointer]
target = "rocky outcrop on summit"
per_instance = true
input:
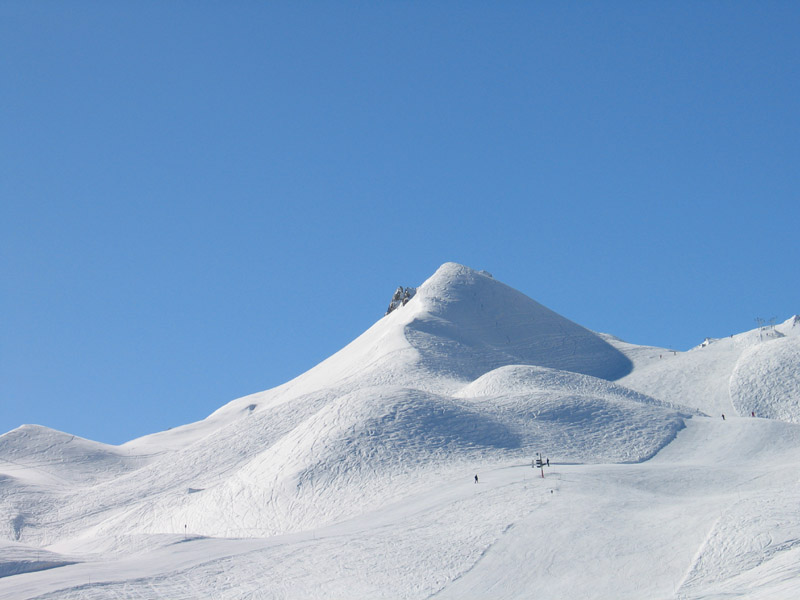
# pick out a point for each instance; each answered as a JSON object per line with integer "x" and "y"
{"x": 401, "y": 297}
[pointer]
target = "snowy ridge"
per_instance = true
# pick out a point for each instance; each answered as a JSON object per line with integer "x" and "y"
{"x": 43, "y": 454}
{"x": 516, "y": 379}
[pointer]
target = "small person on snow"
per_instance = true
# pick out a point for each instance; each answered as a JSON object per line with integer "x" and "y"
{"x": 476, "y": 479}
{"x": 548, "y": 462}
{"x": 723, "y": 417}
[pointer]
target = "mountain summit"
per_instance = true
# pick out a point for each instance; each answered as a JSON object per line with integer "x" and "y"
{"x": 467, "y": 323}
{"x": 458, "y": 325}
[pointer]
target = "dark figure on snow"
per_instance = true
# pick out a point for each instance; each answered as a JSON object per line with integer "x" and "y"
{"x": 548, "y": 462}
{"x": 476, "y": 479}
{"x": 723, "y": 417}
{"x": 753, "y": 414}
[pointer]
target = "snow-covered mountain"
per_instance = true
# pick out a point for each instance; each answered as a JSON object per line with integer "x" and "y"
{"x": 331, "y": 469}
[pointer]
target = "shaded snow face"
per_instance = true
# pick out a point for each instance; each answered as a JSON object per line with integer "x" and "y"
{"x": 766, "y": 380}
{"x": 470, "y": 324}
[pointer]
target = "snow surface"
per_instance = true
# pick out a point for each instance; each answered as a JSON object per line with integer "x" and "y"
{"x": 755, "y": 371}
{"x": 356, "y": 479}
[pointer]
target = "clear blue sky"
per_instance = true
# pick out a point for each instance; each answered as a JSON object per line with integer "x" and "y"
{"x": 201, "y": 200}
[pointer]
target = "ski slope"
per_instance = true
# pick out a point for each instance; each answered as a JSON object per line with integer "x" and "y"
{"x": 755, "y": 371}
{"x": 356, "y": 478}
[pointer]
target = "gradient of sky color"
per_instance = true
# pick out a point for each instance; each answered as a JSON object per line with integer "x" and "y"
{"x": 201, "y": 200}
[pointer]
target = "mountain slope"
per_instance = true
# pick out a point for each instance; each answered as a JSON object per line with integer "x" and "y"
{"x": 755, "y": 371}
{"x": 388, "y": 414}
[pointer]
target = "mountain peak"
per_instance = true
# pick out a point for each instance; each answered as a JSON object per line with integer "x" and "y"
{"x": 460, "y": 324}
{"x": 467, "y": 323}
{"x": 451, "y": 275}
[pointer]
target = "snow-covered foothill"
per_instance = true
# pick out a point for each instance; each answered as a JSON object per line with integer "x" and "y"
{"x": 585, "y": 418}
{"x": 41, "y": 454}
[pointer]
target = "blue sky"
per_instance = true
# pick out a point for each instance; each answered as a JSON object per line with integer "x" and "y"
{"x": 203, "y": 200}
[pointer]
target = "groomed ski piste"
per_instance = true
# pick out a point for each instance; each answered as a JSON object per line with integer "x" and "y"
{"x": 357, "y": 478}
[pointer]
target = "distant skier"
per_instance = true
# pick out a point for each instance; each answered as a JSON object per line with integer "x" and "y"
{"x": 723, "y": 417}
{"x": 548, "y": 462}
{"x": 753, "y": 414}
{"x": 476, "y": 479}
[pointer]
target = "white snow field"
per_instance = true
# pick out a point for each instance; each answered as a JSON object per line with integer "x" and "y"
{"x": 357, "y": 479}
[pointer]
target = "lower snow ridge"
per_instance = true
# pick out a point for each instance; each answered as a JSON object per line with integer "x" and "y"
{"x": 43, "y": 455}
{"x": 576, "y": 417}
{"x": 17, "y": 558}
{"x": 377, "y": 445}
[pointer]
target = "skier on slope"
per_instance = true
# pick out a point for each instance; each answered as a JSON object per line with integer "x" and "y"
{"x": 476, "y": 479}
